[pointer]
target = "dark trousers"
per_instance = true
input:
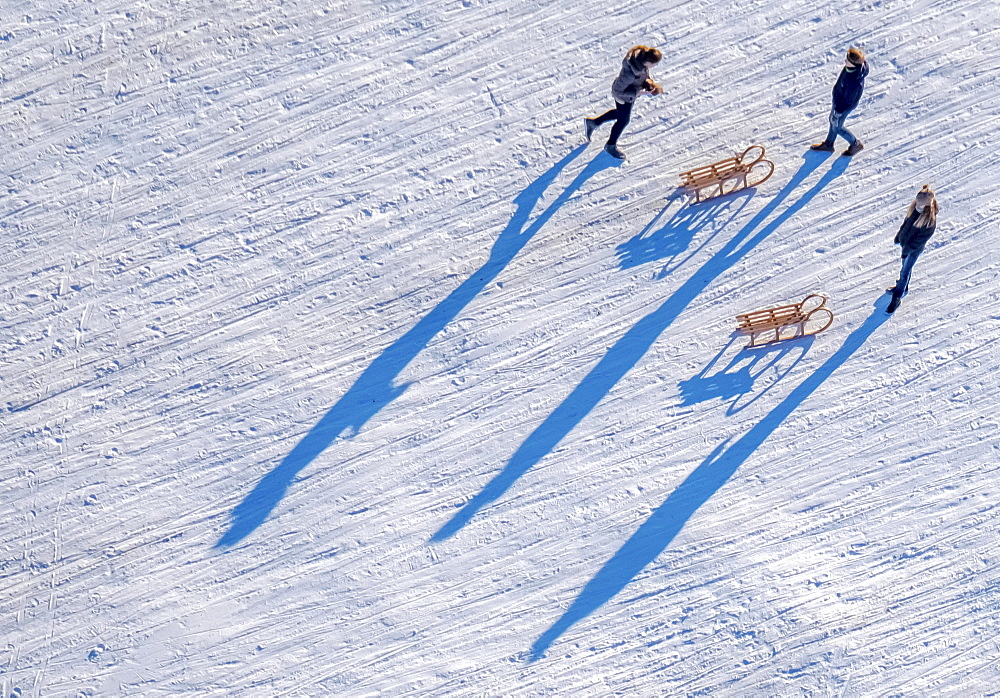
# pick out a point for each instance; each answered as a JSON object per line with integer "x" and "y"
{"x": 621, "y": 115}
{"x": 903, "y": 284}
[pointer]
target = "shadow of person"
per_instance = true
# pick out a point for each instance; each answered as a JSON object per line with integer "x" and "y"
{"x": 376, "y": 387}
{"x": 634, "y": 344}
{"x": 656, "y": 533}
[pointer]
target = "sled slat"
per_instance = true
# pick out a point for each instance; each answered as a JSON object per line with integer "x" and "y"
{"x": 775, "y": 320}
{"x": 709, "y": 181}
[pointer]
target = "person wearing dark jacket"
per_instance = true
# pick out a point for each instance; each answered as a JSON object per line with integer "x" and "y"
{"x": 846, "y": 95}
{"x": 916, "y": 230}
{"x": 632, "y": 81}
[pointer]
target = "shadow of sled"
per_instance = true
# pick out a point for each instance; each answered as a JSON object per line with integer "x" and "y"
{"x": 744, "y": 371}
{"x": 677, "y": 234}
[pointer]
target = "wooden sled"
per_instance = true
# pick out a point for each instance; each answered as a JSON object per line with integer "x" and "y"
{"x": 807, "y": 317}
{"x": 726, "y": 176}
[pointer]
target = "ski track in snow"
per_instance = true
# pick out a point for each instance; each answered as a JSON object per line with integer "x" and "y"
{"x": 350, "y": 266}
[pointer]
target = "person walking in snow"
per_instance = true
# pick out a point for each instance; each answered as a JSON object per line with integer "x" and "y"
{"x": 846, "y": 95}
{"x": 632, "y": 81}
{"x": 916, "y": 230}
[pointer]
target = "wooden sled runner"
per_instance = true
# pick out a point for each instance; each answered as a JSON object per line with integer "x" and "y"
{"x": 726, "y": 176}
{"x": 806, "y": 317}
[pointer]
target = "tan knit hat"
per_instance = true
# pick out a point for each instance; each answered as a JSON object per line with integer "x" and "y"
{"x": 855, "y": 56}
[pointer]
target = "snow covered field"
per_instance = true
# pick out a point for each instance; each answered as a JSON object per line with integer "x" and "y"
{"x": 333, "y": 362}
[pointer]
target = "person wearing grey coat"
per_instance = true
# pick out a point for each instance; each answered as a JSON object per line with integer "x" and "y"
{"x": 632, "y": 81}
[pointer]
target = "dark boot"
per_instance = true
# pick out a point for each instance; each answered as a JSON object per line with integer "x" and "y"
{"x": 893, "y": 304}
{"x": 612, "y": 150}
{"x": 588, "y": 127}
{"x": 855, "y": 148}
{"x": 825, "y": 147}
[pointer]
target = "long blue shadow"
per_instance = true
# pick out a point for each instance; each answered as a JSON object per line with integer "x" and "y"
{"x": 653, "y": 536}
{"x": 633, "y": 345}
{"x": 375, "y": 387}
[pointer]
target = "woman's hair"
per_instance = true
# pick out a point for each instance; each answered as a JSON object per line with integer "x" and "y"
{"x": 928, "y": 217}
{"x": 646, "y": 54}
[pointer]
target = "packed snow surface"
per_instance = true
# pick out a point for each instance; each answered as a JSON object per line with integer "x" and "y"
{"x": 334, "y": 361}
